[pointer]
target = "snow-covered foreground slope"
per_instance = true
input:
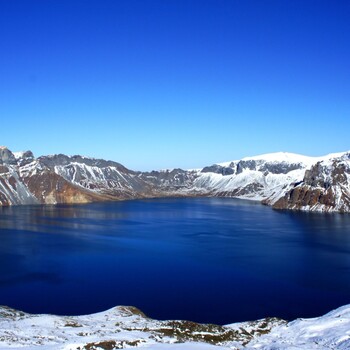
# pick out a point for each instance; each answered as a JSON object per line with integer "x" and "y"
{"x": 127, "y": 327}
{"x": 331, "y": 331}
{"x": 282, "y": 180}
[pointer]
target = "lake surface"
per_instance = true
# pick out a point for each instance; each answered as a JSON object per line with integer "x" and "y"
{"x": 213, "y": 260}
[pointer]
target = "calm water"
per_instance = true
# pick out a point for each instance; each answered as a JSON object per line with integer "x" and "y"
{"x": 209, "y": 260}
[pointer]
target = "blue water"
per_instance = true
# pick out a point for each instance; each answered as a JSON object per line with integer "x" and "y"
{"x": 204, "y": 259}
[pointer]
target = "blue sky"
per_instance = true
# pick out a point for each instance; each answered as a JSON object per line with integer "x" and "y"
{"x": 174, "y": 83}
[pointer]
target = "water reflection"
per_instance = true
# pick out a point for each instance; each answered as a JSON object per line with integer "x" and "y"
{"x": 52, "y": 218}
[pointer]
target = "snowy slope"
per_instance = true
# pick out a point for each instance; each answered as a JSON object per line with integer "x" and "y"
{"x": 257, "y": 178}
{"x": 286, "y": 157}
{"x": 331, "y": 331}
{"x": 126, "y": 327}
{"x": 264, "y": 177}
{"x": 12, "y": 188}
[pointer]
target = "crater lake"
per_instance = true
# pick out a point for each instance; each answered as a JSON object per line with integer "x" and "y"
{"x": 217, "y": 260}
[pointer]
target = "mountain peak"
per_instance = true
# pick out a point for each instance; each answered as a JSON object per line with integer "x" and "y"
{"x": 6, "y": 156}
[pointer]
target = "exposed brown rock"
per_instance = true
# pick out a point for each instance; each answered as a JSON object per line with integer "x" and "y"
{"x": 3, "y": 169}
{"x": 50, "y": 188}
{"x": 325, "y": 187}
{"x": 305, "y": 196}
{"x": 13, "y": 183}
{"x": 3, "y": 198}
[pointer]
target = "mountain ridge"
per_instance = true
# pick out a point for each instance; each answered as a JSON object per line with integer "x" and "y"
{"x": 282, "y": 180}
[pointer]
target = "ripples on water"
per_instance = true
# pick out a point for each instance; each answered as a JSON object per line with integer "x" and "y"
{"x": 204, "y": 259}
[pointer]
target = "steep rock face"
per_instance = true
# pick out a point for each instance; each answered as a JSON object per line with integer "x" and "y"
{"x": 218, "y": 169}
{"x": 175, "y": 181}
{"x": 325, "y": 187}
{"x": 106, "y": 178}
{"x": 12, "y": 190}
{"x": 50, "y": 188}
{"x": 26, "y": 180}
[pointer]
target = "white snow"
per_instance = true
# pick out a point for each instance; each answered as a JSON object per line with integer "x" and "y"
{"x": 125, "y": 328}
{"x": 279, "y": 157}
{"x": 331, "y": 331}
{"x": 18, "y": 155}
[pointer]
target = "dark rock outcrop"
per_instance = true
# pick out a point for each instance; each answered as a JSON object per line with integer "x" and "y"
{"x": 6, "y": 156}
{"x": 218, "y": 169}
{"x": 325, "y": 187}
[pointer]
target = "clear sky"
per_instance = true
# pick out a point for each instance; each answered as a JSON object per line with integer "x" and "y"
{"x": 173, "y": 83}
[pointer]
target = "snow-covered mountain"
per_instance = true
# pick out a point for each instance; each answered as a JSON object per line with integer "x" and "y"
{"x": 325, "y": 187}
{"x": 127, "y": 327}
{"x": 282, "y": 180}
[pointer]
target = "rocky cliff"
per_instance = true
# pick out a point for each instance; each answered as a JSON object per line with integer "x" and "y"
{"x": 282, "y": 180}
{"x": 325, "y": 187}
